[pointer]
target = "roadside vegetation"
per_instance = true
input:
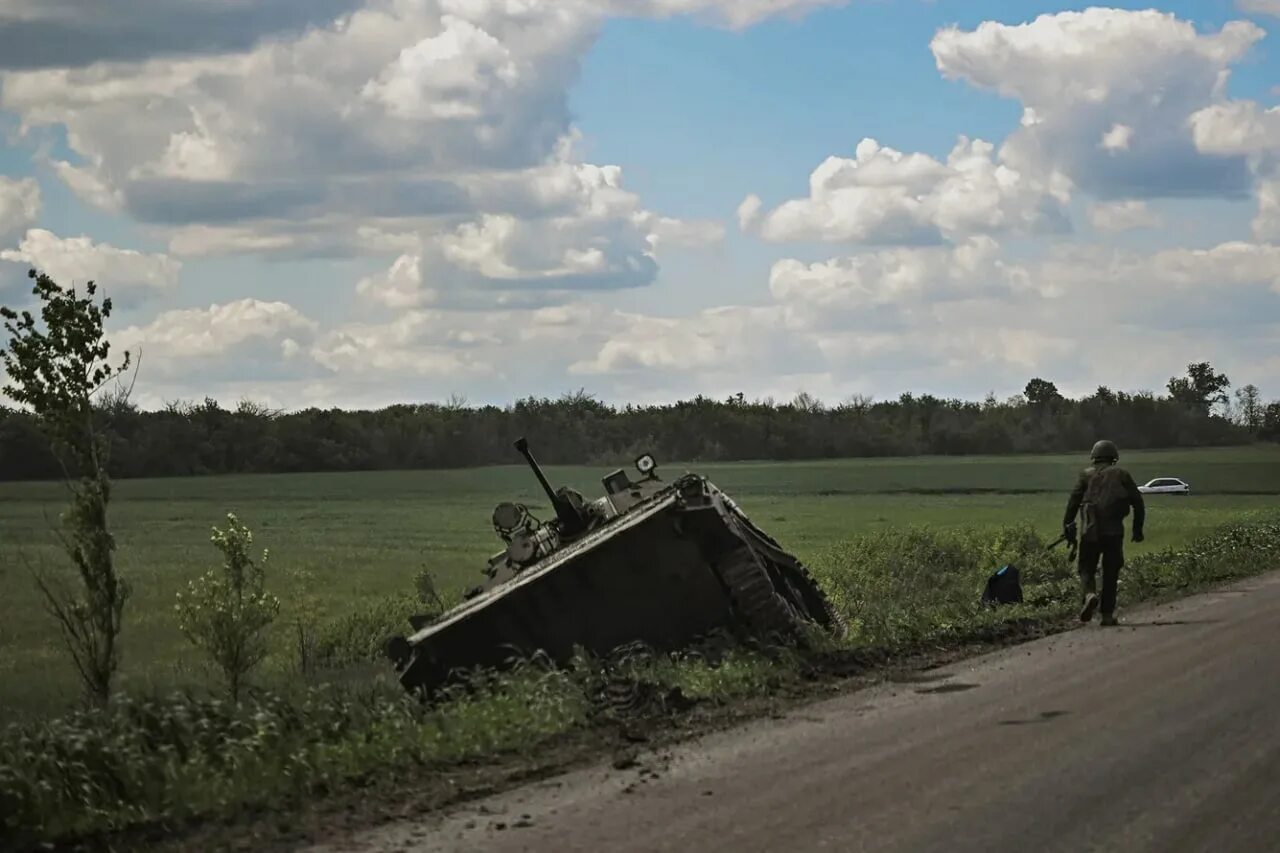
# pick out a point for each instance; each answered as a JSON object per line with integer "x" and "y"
{"x": 170, "y": 758}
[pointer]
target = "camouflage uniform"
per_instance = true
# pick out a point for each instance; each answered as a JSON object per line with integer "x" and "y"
{"x": 1108, "y": 544}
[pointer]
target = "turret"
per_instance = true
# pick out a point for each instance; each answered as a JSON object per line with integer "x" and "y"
{"x": 572, "y": 517}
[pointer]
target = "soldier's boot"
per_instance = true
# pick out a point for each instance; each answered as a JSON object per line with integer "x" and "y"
{"x": 1109, "y": 619}
{"x": 1090, "y": 605}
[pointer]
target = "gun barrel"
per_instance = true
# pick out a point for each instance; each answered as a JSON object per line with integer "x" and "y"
{"x": 565, "y": 511}
{"x": 522, "y": 445}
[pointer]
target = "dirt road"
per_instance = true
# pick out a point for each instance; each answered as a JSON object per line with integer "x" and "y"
{"x": 1162, "y": 734}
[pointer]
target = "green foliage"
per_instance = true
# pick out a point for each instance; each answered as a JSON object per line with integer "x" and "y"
{"x": 227, "y": 611}
{"x": 1040, "y": 392}
{"x": 162, "y": 759}
{"x": 55, "y": 366}
{"x": 1235, "y": 550}
{"x": 1270, "y": 423}
{"x": 902, "y": 587}
{"x": 304, "y": 618}
{"x": 1201, "y": 389}
{"x": 428, "y": 589}
{"x": 55, "y": 370}
{"x": 1250, "y": 411}
{"x": 361, "y": 634}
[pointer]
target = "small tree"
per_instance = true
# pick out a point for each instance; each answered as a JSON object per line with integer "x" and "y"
{"x": 227, "y": 611}
{"x": 56, "y": 365}
{"x": 1249, "y": 408}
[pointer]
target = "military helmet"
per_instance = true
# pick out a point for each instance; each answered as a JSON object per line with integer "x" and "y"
{"x": 1105, "y": 450}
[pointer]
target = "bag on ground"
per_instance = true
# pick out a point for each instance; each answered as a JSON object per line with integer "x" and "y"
{"x": 1003, "y": 587}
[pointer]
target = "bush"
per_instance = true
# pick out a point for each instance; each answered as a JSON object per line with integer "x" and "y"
{"x": 227, "y": 611}
{"x": 362, "y": 634}
{"x": 154, "y": 759}
{"x": 1234, "y": 550}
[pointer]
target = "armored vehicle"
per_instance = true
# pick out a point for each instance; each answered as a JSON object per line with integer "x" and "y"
{"x": 662, "y": 563}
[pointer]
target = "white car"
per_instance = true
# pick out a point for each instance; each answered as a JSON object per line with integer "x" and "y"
{"x": 1165, "y": 486}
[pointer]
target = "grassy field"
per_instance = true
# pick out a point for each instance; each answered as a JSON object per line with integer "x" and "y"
{"x": 366, "y": 535}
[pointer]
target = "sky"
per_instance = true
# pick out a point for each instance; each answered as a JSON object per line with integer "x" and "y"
{"x": 356, "y": 203}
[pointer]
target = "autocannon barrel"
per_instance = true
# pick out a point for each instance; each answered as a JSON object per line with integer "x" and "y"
{"x": 571, "y": 520}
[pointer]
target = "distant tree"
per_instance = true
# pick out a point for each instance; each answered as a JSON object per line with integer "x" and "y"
{"x": 1250, "y": 411}
{"x": 57, "y": 365}
{"x": 1202, "y": 388}
{"x": 1105, "y": 396}
{"x": 1271, "y": 422}
{"x": 859, "y": 404}
{"x": 1040, "y": 392}
{"x": 806, "y": 402}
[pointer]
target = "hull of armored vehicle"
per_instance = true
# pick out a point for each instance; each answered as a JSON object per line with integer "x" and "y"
{"x": 673, "y": 568}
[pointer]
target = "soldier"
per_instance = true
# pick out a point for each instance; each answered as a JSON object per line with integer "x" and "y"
{"x": 1103, "y": 496}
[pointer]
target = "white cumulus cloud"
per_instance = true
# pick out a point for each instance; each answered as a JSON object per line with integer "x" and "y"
{"x": 840, "y": 291}
{"x": 730, "y": 340}
{"x": 1237, "y": 127}
{"x": 884, "y": 196}
{"x": 1117, "y": 138}
{"x": 230, "y": 340}
{"x": 124, "y": 274}
{"x": 415, "y": 344}
{"x": 445, "y": 76}
{"x": 1130, "y": 79}
{"x": 399, "y": 287}
{"x": 588, "y": 233}
{"x": 1244, "y": 128}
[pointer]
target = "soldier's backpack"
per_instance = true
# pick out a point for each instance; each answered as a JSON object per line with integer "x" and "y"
{"x": 1105, "y": 499}
{"x": 1003, "y": 587}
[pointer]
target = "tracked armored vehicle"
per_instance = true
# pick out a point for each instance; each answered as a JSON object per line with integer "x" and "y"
{"x": 663, "y": 563}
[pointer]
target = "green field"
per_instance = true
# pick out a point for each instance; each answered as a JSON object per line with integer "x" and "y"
{"x": 366, "y": 535}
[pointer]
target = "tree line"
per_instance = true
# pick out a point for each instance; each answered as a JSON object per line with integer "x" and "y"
{"x": 189, "y": 438}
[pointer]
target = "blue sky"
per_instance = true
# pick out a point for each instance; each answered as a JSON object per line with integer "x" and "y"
{"x": 404, "y": 225}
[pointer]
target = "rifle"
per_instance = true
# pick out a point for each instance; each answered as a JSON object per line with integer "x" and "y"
{"x": 1070, "y": 538}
